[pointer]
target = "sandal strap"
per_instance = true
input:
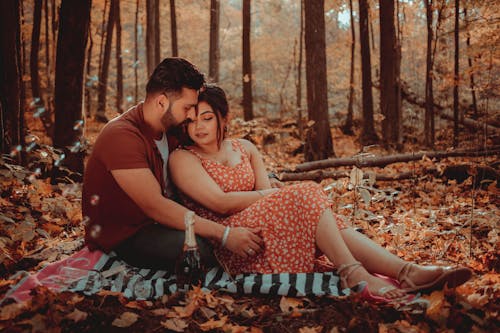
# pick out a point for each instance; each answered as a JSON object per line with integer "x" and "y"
{"x": 341, "y": 271}
{"x": 403, "y": 274}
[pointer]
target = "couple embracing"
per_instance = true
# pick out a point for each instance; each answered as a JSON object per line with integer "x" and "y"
{"x": 169, "y": 155}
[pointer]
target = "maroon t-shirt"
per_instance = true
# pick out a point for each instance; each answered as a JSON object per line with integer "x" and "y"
{"x": 126, "y": 142}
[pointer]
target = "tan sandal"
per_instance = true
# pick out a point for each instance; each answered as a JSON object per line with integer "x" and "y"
{"x": 345, "y": 270}
{"x": 451, "y": 277}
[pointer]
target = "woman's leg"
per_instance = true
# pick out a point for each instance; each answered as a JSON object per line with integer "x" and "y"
{"x": 331, "y": 242}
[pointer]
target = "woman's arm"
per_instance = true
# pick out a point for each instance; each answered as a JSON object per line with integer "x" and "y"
{"x": 191, "y": 178}
{"x": 261, "y": 178}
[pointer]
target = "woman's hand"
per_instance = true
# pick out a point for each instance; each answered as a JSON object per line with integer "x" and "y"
{"x": 276, "y": 183}
{"x": 244, "y": 241}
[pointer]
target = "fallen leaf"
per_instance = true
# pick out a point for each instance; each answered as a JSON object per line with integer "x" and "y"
{"x": 175, "y": 324}
{"x": 11, "y": 311}
{"x": 161, "y": 312}
{"x": 315, "y": 329}
{"x": 125, "y": 320}
{"x": 212, "y": 324}
{"x": 77, "y": 315}
{"x": 256, "y": 330}
{"x": 139, "y": 304}
{"x": 186, "y": 311}
{"x": 37, "y": 323}
{"x": 288, "y": 304}
{"x": 207, "y": 312}
{"x": 437, "y": 309}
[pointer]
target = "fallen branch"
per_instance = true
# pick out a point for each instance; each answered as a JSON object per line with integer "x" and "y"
{"x": 319, "y": 175}
{"x": 381, "y": 161}
{"x": 445, "y": 112}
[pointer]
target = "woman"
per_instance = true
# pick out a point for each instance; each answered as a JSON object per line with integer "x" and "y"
{"x": 225, "y": 180}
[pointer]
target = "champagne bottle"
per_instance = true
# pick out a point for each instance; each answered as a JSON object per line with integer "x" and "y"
{"x": 189, "y": 270}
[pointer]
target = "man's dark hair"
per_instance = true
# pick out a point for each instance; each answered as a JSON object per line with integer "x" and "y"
{"x": 173, "y": 74}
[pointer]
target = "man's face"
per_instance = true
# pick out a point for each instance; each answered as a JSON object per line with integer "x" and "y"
{"x": 180, "y": 107}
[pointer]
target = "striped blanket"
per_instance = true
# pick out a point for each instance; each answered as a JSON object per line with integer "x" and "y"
{"x": 91, "y": 271}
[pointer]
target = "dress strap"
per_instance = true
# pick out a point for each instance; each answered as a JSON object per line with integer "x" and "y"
{"x": 236, "y": 144}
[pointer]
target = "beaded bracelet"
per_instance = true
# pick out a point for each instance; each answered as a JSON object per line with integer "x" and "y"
{"x": 225, "y": 235}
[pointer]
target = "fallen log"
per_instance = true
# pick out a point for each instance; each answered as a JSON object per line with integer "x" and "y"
{"x": 381, "y": 161}
{"x": 445, "y": 112}
{"x": 319, "y": 175}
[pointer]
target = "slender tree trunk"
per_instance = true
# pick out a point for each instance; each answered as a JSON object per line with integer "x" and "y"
{"x": 429, "y": 91}
{"x": 214, "y": 53}
{"x": 119, "y": 63}
{"x": 103, "y": 82}
{"x": 247, "y": 64}
{"x": 35, "y": 48}
{"x": 103, "y": 39}
{"x": 11, "y": 121}
{"x": 173, "y": 29}
{"x": 319, "y": 143}
{"x": 151, "y": 35}
{"x": 136, "y": 51}
{"x": 347, "y": 127}
{"x": 456, "y": 77}
{"x": 47, "y": 44}
{"x": 469, "y": 60}
{"x": 74, "y": 27}
{"x": 157, "y": 33}
{"x": 89, "y": 83}
{"x": 389, "y": 65}
{"x": 24, "y": 58}
{"x": 55, "y": 21}
{"x": 368, "y": 135}
{"x": 299, "y": 72}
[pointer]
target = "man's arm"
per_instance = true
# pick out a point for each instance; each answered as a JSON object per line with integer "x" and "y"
{"x": 143, "y": 188}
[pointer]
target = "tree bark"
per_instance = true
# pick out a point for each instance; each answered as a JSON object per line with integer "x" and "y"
{"x": 103, "y": 82}
{"x": 157, "y": 33}
{"x": 299, "y": 73}
{"x": 368, "y": 135}
{"x": 11, "y": 121}
{"x": 381, "y": 161}
{"x": 35, "y": 48}
{"x": 89, "y": 84}
{"x": 347, "y": 127}
{"x": 173, "y": 29}
{"x": 319, "y": 143}
{"x": 119, "y": 62}
{"x": 429, "y": 91}
{"x": 247, "y": 63}
{"x": 151, "y": 39}
{"x": 72, "y": 40}
{"x": 471, "y": 75}
{"x": 389, "y": 89}
{"x": 103, "y": 38}
{"x": 47, "y": 45}
{"x": 214, "y": 52}
{"x": 136, "y": 51}
{"x": 456, "y": 77}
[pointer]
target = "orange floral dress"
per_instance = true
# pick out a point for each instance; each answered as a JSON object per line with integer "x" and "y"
{"x": 288, "y": 219}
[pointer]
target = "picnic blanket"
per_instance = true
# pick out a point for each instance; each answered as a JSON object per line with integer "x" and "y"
{"x": 91, "y": 271}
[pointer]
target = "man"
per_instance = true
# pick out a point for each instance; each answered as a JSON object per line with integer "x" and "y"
{"x": 125, "y": 198}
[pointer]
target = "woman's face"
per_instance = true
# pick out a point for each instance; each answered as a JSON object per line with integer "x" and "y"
{"x": 203, "y": 129}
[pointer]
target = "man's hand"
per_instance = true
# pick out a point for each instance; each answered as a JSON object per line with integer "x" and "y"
{"x": 276, "y": 183}
{"x": 244, "y": 241}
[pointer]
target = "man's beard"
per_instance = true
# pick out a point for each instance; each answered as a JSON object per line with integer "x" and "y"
{"x": 167, "y": 120}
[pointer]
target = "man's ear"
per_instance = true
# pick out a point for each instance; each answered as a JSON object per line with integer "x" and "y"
{"x": 163, "y": 101}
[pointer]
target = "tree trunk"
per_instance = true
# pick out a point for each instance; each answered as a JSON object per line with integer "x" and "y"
{"x": 214, "y": 53}
{"x": 136, "y": 52}
{"x": 54, "y": 26}
{"x": 73, "y": 30}
{"x": 368, "y": 135}
{"x": 389, "y": 65}
{"x": 47, "y": 45}
{"x": 299, "y": 73}
{"x": 456, "y": 78}
{"x": 103, "y": 39}
{"x": 150, "y": 36}
{"x": 429, "y": 91}
{"x": 247, "y": 64}
{"x": 24, "y": 58}
{"x": 173, "y": 29}
{"x": 157, "y": 33}
{"x": 347, "y": 127}
{"x": 103, "y": 82}
{"x": 35, "y": 48}
{"x": 11, "y": 121}
{"x": 471, "y": 75}
{"x": 89, "y": 83}
{"x": 319, "y": 143}
{"x": 119, "y": 63}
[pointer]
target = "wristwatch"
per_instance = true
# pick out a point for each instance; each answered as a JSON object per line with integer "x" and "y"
{"x": 272, "y": 175}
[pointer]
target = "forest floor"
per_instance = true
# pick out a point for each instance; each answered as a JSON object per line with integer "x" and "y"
{"x": 426, "y": 219}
